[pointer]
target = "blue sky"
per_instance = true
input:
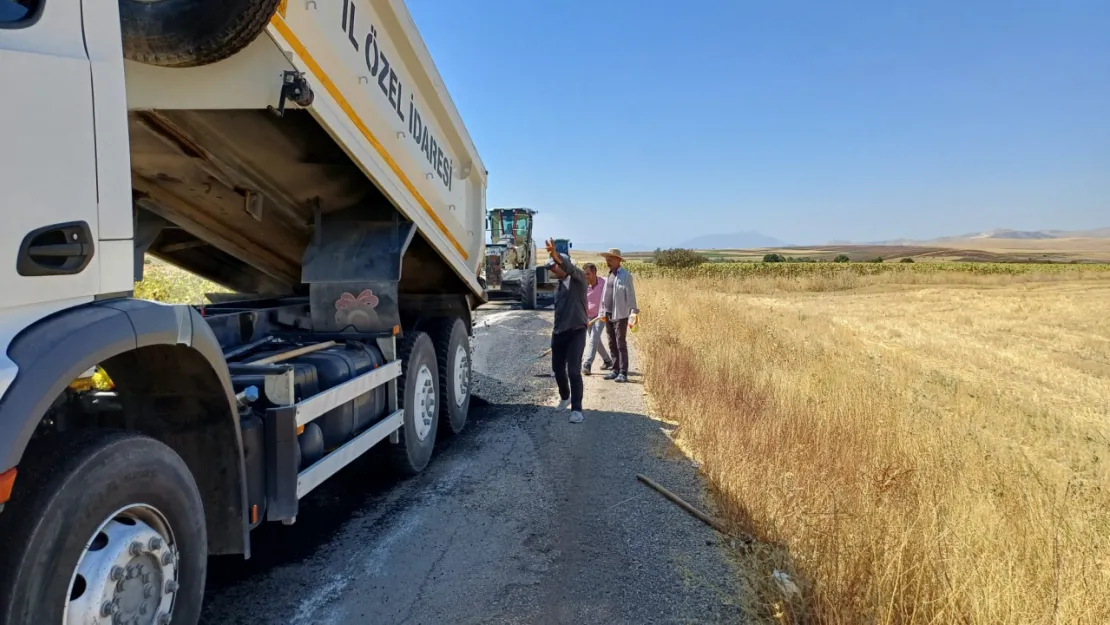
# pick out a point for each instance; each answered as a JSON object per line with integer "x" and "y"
{"x": 654, "y": 122}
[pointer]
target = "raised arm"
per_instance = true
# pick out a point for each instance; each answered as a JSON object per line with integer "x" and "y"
{"x": 572, "y": 270}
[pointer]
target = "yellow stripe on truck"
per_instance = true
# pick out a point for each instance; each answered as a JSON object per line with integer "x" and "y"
{"x": 329, "y": 86}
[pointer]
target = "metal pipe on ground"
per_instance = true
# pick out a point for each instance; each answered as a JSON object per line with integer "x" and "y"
{"x": 694, "y": 512}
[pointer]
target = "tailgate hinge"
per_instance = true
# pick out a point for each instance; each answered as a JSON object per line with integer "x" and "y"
{"x": 295, "y": 89}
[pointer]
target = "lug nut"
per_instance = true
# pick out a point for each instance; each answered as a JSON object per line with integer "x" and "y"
{"x": 156, "y": 543}
{"x": 121, "y": 585}
{"x": 172, "y": 586}
{"x": 167, "y": 558}
{"x": 132, "y": 572}
{"x": 147, "y": 577}
{"x": 144, "y": 608}
{"x": 136, "y": 548}
{"x": 117, "y": 573}
{"x": 106, "y": 609}
{"x": 163, "y": 619}
{"x": 148, "y": 591}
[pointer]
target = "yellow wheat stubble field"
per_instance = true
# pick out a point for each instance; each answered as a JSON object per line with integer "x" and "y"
{"x": 908, "y": 448}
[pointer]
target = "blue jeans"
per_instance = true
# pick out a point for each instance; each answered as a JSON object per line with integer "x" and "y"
{"x": 594, "y": 345}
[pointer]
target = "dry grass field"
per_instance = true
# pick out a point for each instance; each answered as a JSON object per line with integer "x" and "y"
{"x": 919, "y": 443}
{"x": 909, "y": 447}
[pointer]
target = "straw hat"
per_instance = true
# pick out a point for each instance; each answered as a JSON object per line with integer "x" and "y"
{"x": 614, "y": 252}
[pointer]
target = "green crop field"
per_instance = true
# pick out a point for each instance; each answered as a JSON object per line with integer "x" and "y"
{"x": 163, "y": 282}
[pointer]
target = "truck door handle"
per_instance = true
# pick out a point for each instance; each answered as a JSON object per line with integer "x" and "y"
{"x": 57, "y": 250}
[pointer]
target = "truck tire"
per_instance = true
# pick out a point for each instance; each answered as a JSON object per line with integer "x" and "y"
{"x": 189, "y": 33}
{"x": 528, "y": 290}
{"x": 418, "y": 390}
{"x": 453, "y": 353}
{"x": 97, "y": 517}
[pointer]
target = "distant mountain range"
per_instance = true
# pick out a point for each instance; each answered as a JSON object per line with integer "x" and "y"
{"x": 753, "y": 240}
{"x": 1004, "y": 233}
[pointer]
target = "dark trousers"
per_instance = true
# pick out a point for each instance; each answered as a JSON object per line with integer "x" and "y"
{"x": 618, "y": 344}
{"x": 566, "y": 362}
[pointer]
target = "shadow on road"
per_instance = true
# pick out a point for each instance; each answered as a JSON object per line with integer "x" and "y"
{"x": 525, "y": 517}
{"x": 327, "y": 509}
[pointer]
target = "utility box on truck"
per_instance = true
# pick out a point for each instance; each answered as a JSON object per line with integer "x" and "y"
{"x": 305, "y": 155}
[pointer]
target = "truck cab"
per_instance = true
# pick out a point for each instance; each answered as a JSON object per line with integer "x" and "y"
{"x": 306, "y": 156}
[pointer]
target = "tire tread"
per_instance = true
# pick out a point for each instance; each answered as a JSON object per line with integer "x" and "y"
{"x": 237, "y": 33}
{"x": 49, "y": 468}
{"x": 528, "y": 290}
{"x": 398, "y": 454}
{"x": 441, "y": 330}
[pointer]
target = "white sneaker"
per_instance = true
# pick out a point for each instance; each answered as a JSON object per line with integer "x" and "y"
{"x": 576, "y": 417}
{"x": 563, "y": 404}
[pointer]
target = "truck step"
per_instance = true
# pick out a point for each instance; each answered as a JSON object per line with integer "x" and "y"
{"x": 327, "y": 466}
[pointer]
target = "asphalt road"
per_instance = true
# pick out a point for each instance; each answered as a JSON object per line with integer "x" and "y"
{"x": 524, "y": 518}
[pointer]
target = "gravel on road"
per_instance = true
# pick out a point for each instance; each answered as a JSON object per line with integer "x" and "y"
{"x": 523, "y": 518}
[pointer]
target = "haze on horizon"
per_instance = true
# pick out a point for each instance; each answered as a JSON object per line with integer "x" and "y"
{"x": 805, "y": 121}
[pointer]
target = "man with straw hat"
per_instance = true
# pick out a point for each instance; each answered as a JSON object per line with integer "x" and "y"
{"x": 619, "y": 310}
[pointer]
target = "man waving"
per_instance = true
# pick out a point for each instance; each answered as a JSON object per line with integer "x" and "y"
{"x": 568, "y": 335}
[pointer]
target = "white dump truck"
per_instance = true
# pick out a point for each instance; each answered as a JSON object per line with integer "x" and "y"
{"x": 304, "y": 154}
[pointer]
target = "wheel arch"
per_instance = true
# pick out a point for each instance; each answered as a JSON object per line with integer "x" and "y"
{"x": 173, "y": 386}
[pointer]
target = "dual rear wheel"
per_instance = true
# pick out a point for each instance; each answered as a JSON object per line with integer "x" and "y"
{"x": 434, "y": 389}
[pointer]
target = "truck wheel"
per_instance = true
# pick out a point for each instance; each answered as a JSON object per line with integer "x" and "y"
{"x": 453, "y": 351}
{"x": 528, "y": 290}
{"x": 418, "y": 388}
{"x": 189, "y": 33}
{"x": 102, "y": 526}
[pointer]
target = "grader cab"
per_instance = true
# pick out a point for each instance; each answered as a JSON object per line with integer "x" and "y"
{"x": 510, "y": 270}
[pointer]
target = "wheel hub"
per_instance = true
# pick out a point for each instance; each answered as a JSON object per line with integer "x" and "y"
{"x": 128, "y": 572}
{"x": 462, "y": 375}
{"x": 425, "y": 409}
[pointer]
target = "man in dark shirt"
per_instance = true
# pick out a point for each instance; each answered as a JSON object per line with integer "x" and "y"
{"x": 568, "y": 335}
